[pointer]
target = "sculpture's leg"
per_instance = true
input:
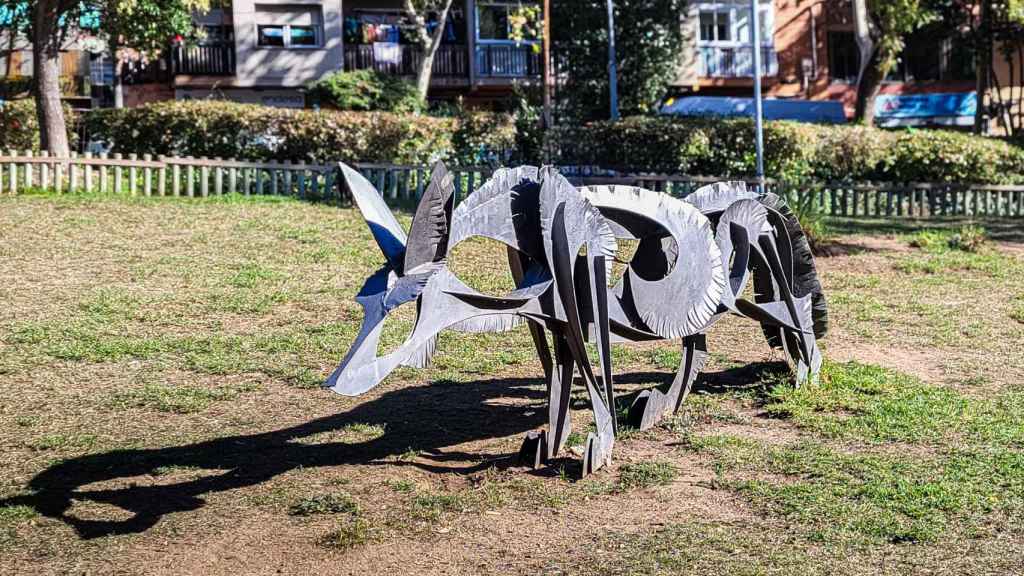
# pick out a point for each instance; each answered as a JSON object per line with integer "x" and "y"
{"x": 650, "y": 406}
{"x": 559, "y": 394}
{"x": 540, "y": 446}
{"x": 598, "y": 449}
{"x": 801, "y": 345}
{"x": 695, "y": 357}
{"x": 599, "y": 445}
{"x": 515, "y": 264}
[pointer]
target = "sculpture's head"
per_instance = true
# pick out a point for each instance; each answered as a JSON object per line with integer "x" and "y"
{"x": 516, "y": 207}
{"x": 415, "y": 265}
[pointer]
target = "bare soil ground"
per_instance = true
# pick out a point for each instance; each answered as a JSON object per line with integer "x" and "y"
{"x": 160, "y": 414}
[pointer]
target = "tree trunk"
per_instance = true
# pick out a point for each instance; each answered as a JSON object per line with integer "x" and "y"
{"x": 429, "y": 42}
{"x": 118, "y": 83}
{"x": 866, "y": 51}
{"x": 867, "y": 90}
{"x": 425, "y": 71}
{"x": 982, "y": 64}
{"x": 12, "y": 36}
{"x": 53, "y": 134}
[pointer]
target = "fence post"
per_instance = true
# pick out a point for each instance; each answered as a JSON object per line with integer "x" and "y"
{"x": 288, "y": 178}
{"x": 218, "y": 178}
{"x": 204, "y": 177}
{"x": 87, "y": 172}
{"x": 118, "y": 174}
{"x": 190, "y": 178}
{"x": 12, "y": 172}
{"x": 147, "y": 176}
{"x": 133, "y": 174}
{"x": 72, "y": 173}
{"x": 58, "y": 175}
{"x": 104, "y": 169}
{"x": 233, "y": 179}
{"x": 29, "y": 180}
{"x": 175, "y": 179}
{"x": 302, "y": 179}
{"x": 274, "y": 174}
{"x": 44, "y": 171}
{"x": 161, "y": 177}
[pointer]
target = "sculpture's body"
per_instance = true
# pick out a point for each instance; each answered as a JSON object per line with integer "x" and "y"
{"x": 693, "y": 260}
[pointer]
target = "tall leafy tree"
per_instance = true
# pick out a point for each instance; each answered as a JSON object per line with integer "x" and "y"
{"x": 145, "y": 26}
{"x": 994, "y": 29}
{"x": 418, "y": 12}
{"x": 142, "y": 29}
{"x": 882, "y": 27}
{"x": 648, "y": 37}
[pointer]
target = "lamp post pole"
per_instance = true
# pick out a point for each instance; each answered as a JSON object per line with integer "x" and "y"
{"x": 548, "y": 76}
{"x": 755, "y": 48}
{"x": 613, "y": 85}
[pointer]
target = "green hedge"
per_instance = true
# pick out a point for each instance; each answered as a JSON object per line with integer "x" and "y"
{"x": 696, "y": 146}
{"x": 793, "y": 151}
{"x": 230, "y": 130}
{"x": 19, "y": 126}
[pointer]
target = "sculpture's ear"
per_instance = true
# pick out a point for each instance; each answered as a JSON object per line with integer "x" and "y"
{"x": 431, "y": 226}
{"x": 385, "y": 229}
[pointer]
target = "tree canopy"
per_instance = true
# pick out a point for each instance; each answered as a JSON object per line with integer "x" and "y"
{"x": 649, "y": 40}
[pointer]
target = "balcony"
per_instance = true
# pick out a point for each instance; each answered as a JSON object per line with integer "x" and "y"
{"x": 735, "y": 62}
{"x": 204, "y": 60}
{"x": 507, "y": 60}
{"x": 450, "y": 61}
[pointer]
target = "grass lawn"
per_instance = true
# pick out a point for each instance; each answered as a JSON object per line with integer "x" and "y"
{"x": 160, "y": 414}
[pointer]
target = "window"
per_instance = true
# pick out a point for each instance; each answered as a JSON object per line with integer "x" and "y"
{"x": 729, "y": 23}
{"x": 271, "y": 35}
{"x": 302, "y": 35}
{"x": 284, "y": 26}
{"x": 843, "y": 57}
{"x": 715, "y": 26}
{"x": 508, "y": 22}
{"x": 493, "y": 22}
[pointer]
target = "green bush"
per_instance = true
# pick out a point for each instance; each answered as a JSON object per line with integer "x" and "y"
{"x": 365, "y": 90}
{"x": 19, "y": 127}
{"x": 793, "y": 151}
{"x": 483, "y": 138}
{"x": 230, "y": 130}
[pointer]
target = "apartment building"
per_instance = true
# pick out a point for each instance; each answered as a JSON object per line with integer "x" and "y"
{"x": 808, "y": 51}
{"x": 263, "y": 51}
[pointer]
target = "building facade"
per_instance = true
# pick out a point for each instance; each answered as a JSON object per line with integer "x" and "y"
{"x": 808, "y": 51}
{"x": 265, "y": 51}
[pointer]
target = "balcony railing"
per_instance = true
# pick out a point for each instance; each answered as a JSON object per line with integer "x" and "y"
{"x": 735, "y": 62}
{"x": 450, "y": 60}
{"x": 204, "y": 60}
{"x": 507, "y": 60}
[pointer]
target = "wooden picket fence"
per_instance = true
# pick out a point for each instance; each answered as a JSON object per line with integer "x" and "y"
{"x": 205, "y": 177}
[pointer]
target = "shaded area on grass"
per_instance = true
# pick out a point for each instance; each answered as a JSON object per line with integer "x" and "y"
{"x": 424, "y": 418}
{"x": 419, "y": 421}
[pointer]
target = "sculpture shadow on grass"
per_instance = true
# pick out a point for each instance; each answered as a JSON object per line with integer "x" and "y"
{"x": 424, "y": 418}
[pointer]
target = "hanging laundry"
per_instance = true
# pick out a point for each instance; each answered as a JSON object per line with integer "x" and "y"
{"x": 387, "y": 53}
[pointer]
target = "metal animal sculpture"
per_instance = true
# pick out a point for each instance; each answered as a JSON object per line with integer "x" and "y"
{"x": 693, "y": 261}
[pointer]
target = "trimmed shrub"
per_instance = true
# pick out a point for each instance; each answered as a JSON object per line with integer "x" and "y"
{"x": 230, "y": 130}
{"x": 483, "y": 138}
{"x": 19, "y": 127}
{"x": 793, "y": 151}
{"x": 365, "y": 90}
